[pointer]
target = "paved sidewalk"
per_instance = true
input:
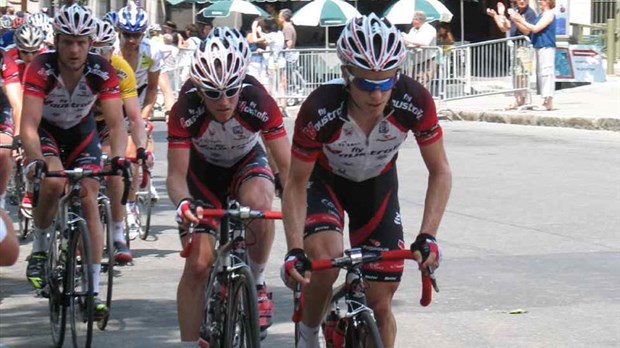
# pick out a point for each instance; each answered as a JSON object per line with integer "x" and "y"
{"x": 595, "y": 106}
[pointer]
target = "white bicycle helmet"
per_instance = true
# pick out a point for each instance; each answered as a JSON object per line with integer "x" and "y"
{"x": 39, "y": 20}
{"x": 236, "y": 39}
{"x": 218, "y": 64}
{"x": 74, "y": 20}
{"x": 370, "y": 43}
{"x": 132, "y": 19}
{"x": 28, "y": 37}
{"x": 104, "y": 33}
{"x": 6, "y": 22}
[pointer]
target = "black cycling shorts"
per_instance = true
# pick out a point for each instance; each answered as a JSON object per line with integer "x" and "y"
{"x": 77, "y": 147}
{"x": 213, "y": 184}
{"x": 374, "y": 215}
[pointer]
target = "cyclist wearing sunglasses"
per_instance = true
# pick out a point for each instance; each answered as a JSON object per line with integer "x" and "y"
{"x": 28, "y": 43}
{"x": 103, "y": 44}
{"x": 214, "y": 152}
{"x": 58, "y": 130}
{"x": 345, "y": 145}
{"x": 146, "y": 61}
{"x": 10, "y": 110}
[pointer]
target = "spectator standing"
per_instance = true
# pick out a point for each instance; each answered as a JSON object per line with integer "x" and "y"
{"x": 257, "y": 43}
{"x": 542, "y": 35}
{"x": 290, "y": 41}
{"x": 274, "y": 38}
{"x": 523, "y": 57}
{"x": 422, "y": 36}
{"x": 168, "y": 79}
{"x": 444, "y": 35}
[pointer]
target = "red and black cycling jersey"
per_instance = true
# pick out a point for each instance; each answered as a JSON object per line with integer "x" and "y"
{"x": 224, "y": 144}
{"x": 14, "y": 53}
{"x": 9, "y": 74}
{"x": 61, "y": 108}
{"x": 325, "y": 132}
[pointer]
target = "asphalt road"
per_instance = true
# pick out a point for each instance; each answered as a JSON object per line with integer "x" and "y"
{"x": 532, "y": 225}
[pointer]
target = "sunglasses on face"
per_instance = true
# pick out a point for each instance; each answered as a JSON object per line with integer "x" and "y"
{"x": 132, "y": 35}
{"x": 217, "y": 94}
{"x": 27, "y": 53}
{"x": 367, "y": 85}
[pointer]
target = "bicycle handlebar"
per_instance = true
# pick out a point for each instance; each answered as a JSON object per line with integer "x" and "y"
{"x": 428, "y": 281}
{"x": 243, "y": 213}
{"x": 146, "y": 172}
{"x": 79, "y": 173}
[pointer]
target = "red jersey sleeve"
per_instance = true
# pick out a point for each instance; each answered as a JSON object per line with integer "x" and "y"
{"x": 306, "y": 144}
{"x": 427, "y": 130}
{"x": 10, "y": 70}
{"x": 179, "y": 136}
{"x": 36, "y": 77}
{"x": 274, "y": 127}
{"x": 110, "y": 87}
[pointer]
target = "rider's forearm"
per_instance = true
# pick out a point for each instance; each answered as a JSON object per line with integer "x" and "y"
{"x": 30, "y": 141}
{"x": 149, "y": 101}
{"x": 118, "y": 140}
{"x": 15, "y": 95}
{"x": 437, "y": 194}
{"x": 136, "y": 123}
{"x": 177, "y": 188}
{"x": 294, "y": 213}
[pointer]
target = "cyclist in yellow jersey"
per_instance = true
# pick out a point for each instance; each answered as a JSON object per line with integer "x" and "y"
{"x": 103, "y": 44}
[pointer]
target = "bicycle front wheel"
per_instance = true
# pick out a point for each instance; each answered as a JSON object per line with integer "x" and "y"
{"x": 56, "y": 288}
{"x": 79, "y": 285}
{"x": 241, "y": 328}
{"x": 107, "y": 262}
{"x": 363, "y": 332}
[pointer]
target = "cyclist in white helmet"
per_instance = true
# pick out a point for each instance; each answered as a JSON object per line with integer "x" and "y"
{"x": 28, "y": 43}
{"x": 214, "y": 152}
{"x": 146, "y": 61}
{"x": 346, "y": 140}
{"x": 59, "y": 134}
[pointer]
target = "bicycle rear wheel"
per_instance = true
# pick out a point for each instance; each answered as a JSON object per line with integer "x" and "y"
{"x": 146, "y": 205}
{"x": 107, "y": 262}
{"x": 362, "y": 332}
{"x": 241, "y": 329}
{"x": 56, "y": 259}
{"x": 79, "y": 285}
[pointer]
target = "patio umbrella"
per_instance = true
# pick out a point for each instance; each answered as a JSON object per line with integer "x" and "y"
{"x": 226, "y": 8}
{"x": 326, "y": 13}
{"x": 401, "y": 12}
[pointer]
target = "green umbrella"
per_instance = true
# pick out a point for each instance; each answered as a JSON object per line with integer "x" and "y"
{"x": 326, "y": 13}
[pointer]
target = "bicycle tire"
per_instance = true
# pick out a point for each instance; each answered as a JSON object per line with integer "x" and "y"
{"x": 107, "y": 262}
{"x": 81, "y": 301}
{"x": 361, "y": 330}
{"x": 241, "y": 328}
{"x": 56, "y": 289}
{"x": 147, "y": 206}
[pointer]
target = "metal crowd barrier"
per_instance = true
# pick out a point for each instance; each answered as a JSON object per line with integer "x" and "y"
{"x": 448, "y": 72}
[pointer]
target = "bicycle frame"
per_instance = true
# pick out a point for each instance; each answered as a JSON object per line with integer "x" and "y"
{"x": 230, "y": 273}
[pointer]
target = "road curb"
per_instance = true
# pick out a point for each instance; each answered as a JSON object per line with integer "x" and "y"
{"x": 609, "y": 124}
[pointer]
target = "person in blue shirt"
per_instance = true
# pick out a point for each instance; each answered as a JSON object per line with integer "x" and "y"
{"x": 542, "y": 34}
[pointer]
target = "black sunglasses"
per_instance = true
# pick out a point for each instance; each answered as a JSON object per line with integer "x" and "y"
{"x": 132, "y": 35}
